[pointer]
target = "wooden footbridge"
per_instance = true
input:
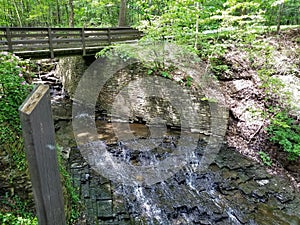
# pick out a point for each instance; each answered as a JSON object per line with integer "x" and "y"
{"x": 36, "y": 42}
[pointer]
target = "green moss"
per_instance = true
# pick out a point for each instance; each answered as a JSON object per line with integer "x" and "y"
{"x": 72, "y": 202}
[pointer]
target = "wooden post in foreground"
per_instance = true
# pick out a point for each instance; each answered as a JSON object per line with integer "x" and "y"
{"x": 38, "y": 132}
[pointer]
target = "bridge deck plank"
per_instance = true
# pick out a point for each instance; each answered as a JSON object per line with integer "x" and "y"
{"x": 36, "y": 41}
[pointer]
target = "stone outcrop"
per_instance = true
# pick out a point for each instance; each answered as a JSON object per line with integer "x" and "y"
{"x": 135, "y": 97}
{"x": 69, "y": 70}
{"x": 140, "y": 105}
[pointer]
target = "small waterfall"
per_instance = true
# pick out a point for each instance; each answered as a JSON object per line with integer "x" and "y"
{"x": 188, "y": 197}
{"x": 230, "y": 191}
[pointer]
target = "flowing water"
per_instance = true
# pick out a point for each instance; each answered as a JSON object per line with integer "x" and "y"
{"x": 233, "y": 190}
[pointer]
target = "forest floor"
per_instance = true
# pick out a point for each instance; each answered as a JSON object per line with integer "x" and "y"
{"x": 249, "y": 101}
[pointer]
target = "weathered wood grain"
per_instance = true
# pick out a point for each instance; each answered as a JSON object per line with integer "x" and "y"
{"x": 38, "y": 132}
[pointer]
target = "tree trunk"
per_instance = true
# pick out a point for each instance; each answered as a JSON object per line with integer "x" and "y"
{"x": 18, "y": 15}
{"x": 58, "y": 16}
{"x": 197, "y": 27}
{"x": 71, "y": 17}
{"x": 122, "y": 14}
{"x": 279, "y": 17}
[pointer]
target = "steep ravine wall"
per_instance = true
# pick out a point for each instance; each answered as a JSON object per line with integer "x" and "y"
{"x": 142, "y": 106}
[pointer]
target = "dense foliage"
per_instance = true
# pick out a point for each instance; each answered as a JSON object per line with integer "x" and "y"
{"x": 14, "y": 88}
{"x": 62, "y": 13}
{"x": 285, "y": 131}
{"x": 186, "y": 21}
{"x": 11, "y": 219}
{"x": 180, "y": 15}
{"x": 18, "y": 214}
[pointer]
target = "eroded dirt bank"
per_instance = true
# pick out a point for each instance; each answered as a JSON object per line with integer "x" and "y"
{"x": 248, "y": 100}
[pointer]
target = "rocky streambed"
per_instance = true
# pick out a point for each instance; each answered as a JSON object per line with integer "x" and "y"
{"x": 233, "y": 190}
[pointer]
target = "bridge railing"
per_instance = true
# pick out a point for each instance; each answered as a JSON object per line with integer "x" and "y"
{"x": 62, "y": 41}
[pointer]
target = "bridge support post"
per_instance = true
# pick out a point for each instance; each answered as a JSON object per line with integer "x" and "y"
{"x": 109, "y": 36}
{"x": 50, "y": 43}
{"x": 83, "y": 42}
{"x": 8, "y": 38}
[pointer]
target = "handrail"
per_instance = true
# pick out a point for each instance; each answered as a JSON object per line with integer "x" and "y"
{"x": 51, "y": 42}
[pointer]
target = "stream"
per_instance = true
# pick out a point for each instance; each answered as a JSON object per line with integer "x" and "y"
{"x": 232, "y": 190}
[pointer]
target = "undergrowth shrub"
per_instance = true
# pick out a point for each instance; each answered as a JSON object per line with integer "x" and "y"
{"x": 72, "y": 203}
{"x": 285, "y": 131}
{"x": 15, "y": 79}
{"x": 15, "y": 85}
{"x": 11, "y": 219}
{"x": 14, "y": 211}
